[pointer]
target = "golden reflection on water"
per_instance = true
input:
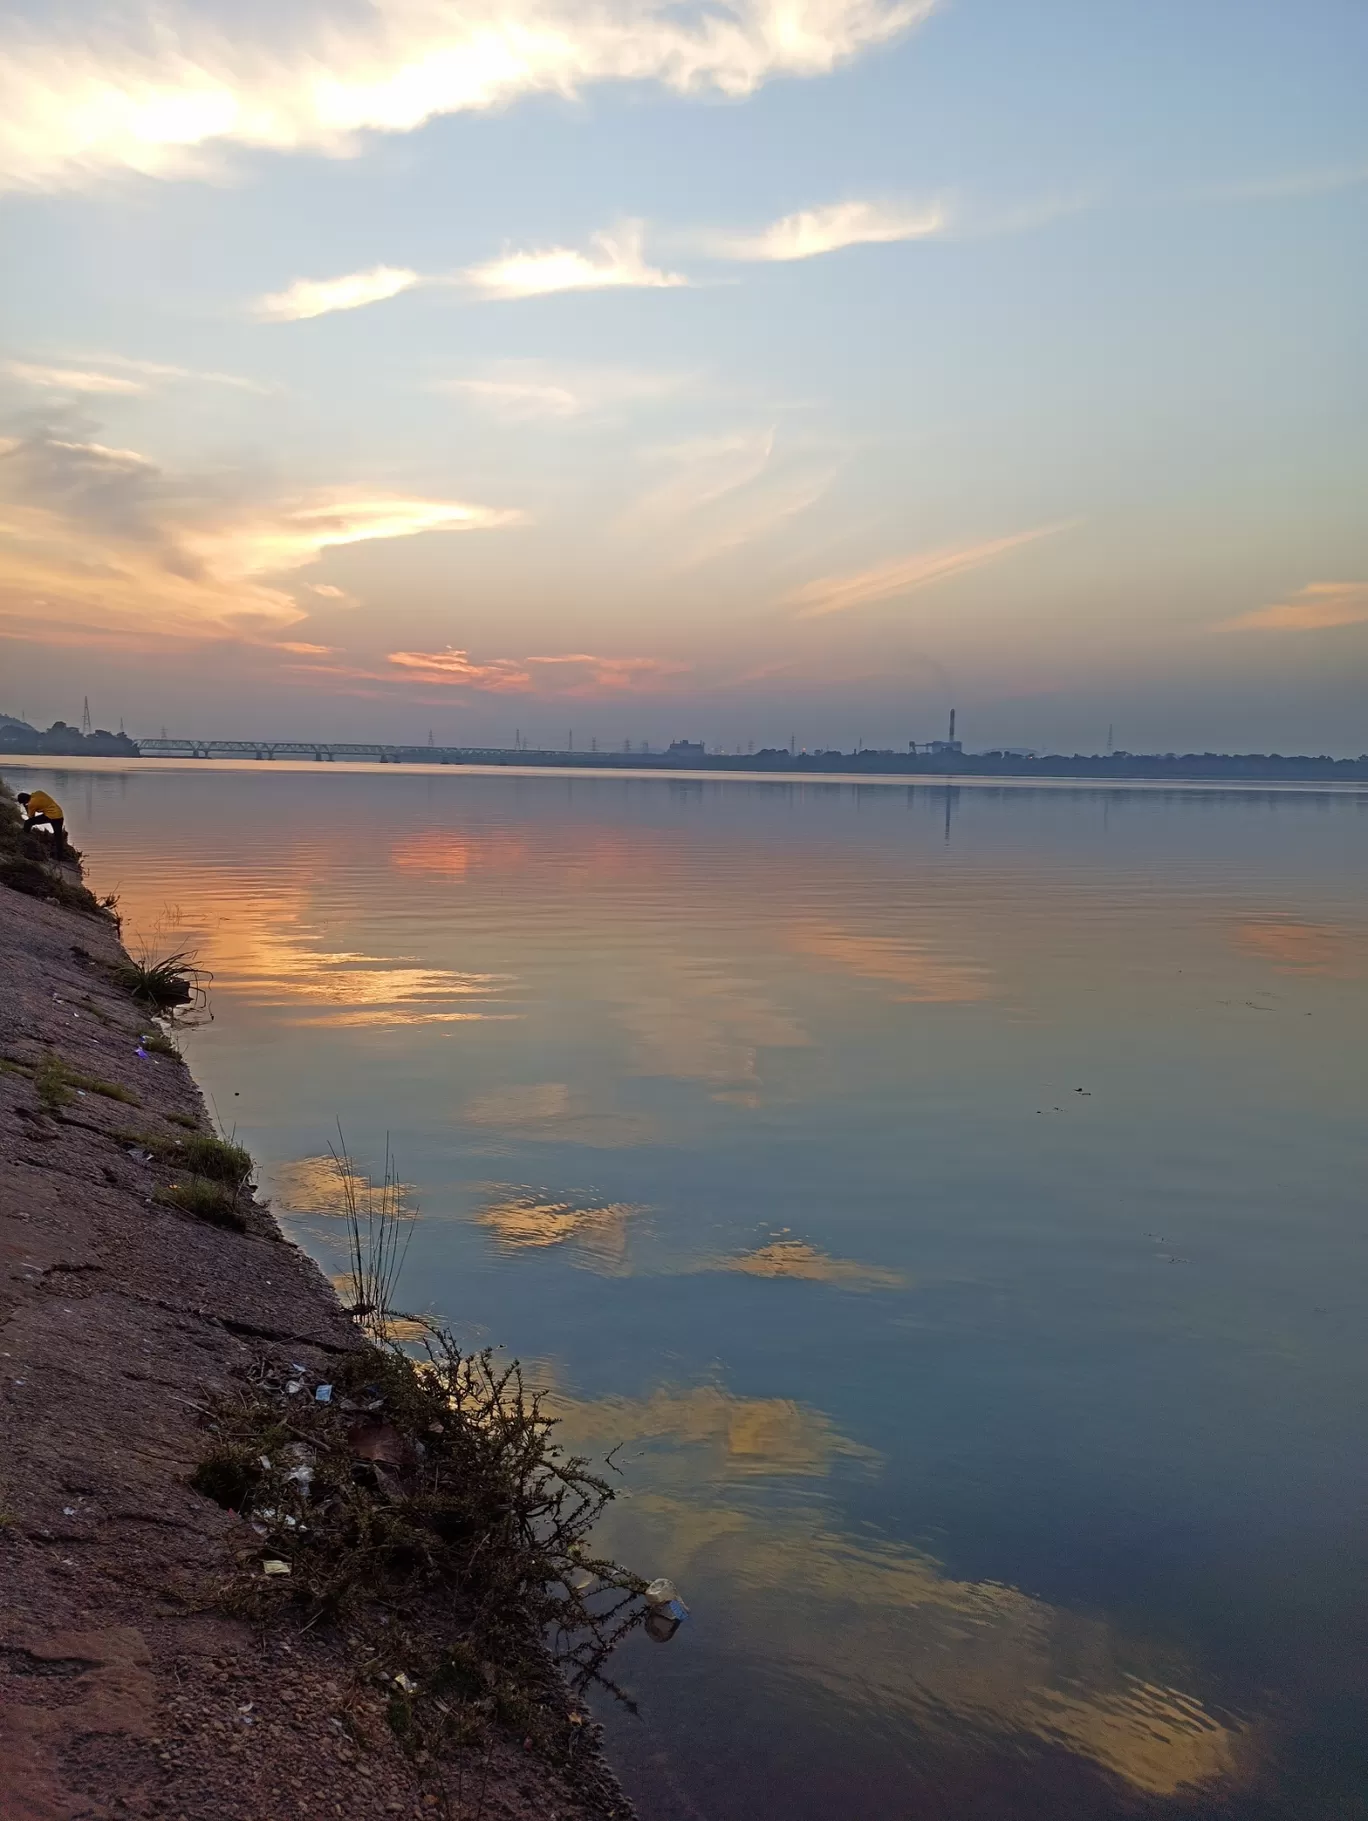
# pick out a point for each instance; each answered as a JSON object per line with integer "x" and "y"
{"x": 920, "y": 976}
{"x": 269, "y": 950}
{"x": 879, "y": 1623}
{"x": 794, "y": 1258}
{"x": 1329, "y": 949}
{"x": 522, "y": 1222}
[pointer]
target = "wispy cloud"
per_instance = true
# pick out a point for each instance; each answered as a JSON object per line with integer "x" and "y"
{"x": 564, "y": 674}
{"x": 720, "y": 493}
{"x": 85, "y": 89}
{"x": 617, "y": 260}
{"x": 308, "y": 297}
{"x": 1315, "y": 608}
{"x": 157, "y": 369}
{"x": 93, "y": 376}
{"x": 70, "y": 379}
{"x": 103, "y": 540}
{"x": 517, "y": 392}
{"x": 516, "y": 401}
{"x": 905, "y": 575}
{"x": 831, "y": 227}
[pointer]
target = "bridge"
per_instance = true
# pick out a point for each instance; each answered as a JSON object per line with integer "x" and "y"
{"x": 325, "y": 751}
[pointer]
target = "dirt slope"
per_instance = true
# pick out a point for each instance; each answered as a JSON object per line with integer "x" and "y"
{"x": 123, "y": 1691}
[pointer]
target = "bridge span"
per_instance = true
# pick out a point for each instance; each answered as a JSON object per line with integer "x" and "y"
{"x": 325, "y": 751}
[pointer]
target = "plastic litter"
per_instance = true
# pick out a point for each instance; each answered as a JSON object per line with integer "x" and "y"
{"x": 667, "y": 1611}
{"x": 294, "y": 1388}
{"x": 273, "y": 1566}
{"x": 138, "y": 1155}
{"x": 323, "y": 1395}
{"x": 140, "y": 1051}
{"x": 409, "y": 1686}
{"x": 663, "y": 1593}
{"x": 265, "y": 1460}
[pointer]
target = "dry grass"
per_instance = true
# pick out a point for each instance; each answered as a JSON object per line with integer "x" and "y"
{"x": 379, "y": 1227}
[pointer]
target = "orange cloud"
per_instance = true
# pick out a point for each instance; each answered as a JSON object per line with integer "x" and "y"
{"x": 584, "y": 673}
{"x": 104, "y": 541}
{"x": 501, "y": 677}
{"x": 1314, "y": 608}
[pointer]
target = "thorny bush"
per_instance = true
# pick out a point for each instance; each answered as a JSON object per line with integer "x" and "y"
{"x": 428, "y": 1512}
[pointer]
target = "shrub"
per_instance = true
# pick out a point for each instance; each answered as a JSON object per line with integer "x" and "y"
{"x": 214, "y": 1202}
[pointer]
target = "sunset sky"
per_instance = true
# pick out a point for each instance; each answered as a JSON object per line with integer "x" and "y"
{"x": 734, "y": 371}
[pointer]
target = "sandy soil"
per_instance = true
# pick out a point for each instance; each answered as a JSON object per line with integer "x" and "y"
{"x": 123, "y": 1692}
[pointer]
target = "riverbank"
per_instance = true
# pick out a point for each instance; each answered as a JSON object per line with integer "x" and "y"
{"x": 128, "y": 1327}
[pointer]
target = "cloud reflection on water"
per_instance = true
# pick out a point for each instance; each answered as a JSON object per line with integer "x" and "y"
{"x": 524, "y": 1221}
{"x": 1332, "y": 950}
{"x": 957, "y": 1665}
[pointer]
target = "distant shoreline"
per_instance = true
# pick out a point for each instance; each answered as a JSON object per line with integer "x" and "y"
{"x": 1346, "y": 777}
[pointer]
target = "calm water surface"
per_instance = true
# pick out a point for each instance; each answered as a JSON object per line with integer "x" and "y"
{"x": 949, "y": 1203}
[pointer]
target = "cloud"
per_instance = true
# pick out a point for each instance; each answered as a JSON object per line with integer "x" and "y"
{"x": 618, "y": 262}
{"x": 887, "y": 581}
{"x": 517, "y": 401}
{"x": 565, "y": 674}
{"x": 516, "y": 392}
{"x": 94, "y": 87}
{"x": 827, "y": 229}
{"x": 103, "y": 540}
{"x": 299, "y": 649}
{"x": 308, "y": 297}
{"x": 90, "y": 376}
{"x": 156, "y": 369}
{"x": 1315, "y": 608}
{"x": 69, "y": 379}
{"x": 720, "y": 493}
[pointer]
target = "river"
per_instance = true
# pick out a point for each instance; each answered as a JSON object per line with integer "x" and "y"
{"x": 947, "y": 1204}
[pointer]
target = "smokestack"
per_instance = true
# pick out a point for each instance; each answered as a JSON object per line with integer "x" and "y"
{"x": 952, "y": 724}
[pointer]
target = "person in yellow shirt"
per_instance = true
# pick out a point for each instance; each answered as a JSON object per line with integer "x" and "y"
{"x": 42, "y": 811}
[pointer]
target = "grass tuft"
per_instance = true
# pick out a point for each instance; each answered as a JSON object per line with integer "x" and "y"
{"x": 214, "y": 1158}
{"x": 172, "y": 981}
{"x": 380, "y": 1223}
{"x": 56, "y": 1082}
{"x": 158, "y": 1043}
{"x": 214, "y": 1202}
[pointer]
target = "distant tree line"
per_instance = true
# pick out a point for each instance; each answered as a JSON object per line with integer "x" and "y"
{"x": 62, "y": 739}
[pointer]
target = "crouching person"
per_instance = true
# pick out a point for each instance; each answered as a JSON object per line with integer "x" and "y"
{"x": 42, "y": 811}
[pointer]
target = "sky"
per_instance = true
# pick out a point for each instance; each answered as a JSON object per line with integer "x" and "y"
{"x": 742, "y": 372}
